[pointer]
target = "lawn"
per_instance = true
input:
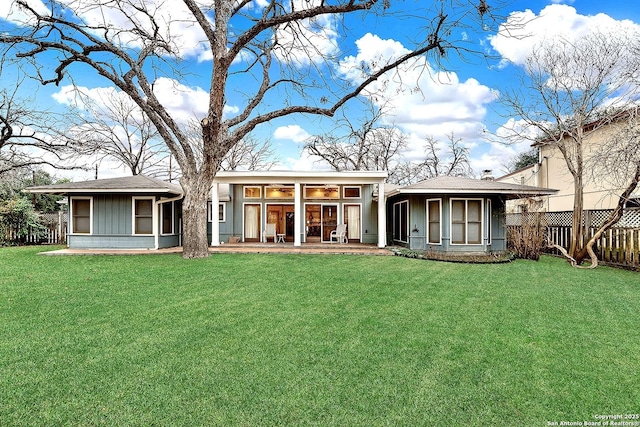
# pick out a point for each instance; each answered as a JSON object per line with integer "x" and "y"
{"x": 324, "y": 340}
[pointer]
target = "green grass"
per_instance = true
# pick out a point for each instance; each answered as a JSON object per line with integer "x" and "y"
{"x": 313, "y": 340}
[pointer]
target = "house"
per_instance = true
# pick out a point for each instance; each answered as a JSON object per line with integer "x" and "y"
{"x": 135, "y": 212}
{"x": 305, "y": 207}
{"x": 600, "y": 191}
{"x": 453, "y": 214}
{"x": 446, "y": 213}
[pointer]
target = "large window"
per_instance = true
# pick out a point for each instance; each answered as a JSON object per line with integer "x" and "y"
{"x": 81, "y": 215}
{"x": 142, "y": 216}
{"x": 466, "y": 221}
{"x": 167, "y": 218}
{"x": 434, "y": 230}
{"x": 401, "y": 221}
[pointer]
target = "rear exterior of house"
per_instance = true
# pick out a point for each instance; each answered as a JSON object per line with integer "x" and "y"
{"x": 135, "y": 212}
{"x": 453, "y": 214}
{"x": 448, "y": 214}
{"x": 304, "y": 207}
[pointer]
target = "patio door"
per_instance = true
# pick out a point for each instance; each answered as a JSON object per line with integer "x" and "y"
{"x": 352, "y": 219}
{"x": 329, "y": 220}
{"x": 251, "y": 223}
{"x": 283, "y": 217}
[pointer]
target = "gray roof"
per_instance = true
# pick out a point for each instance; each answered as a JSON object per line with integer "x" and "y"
{"x": 129, "y": 184}
{"x": 463, "y": 185}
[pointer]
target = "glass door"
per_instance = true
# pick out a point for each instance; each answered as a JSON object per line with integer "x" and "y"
{"x": 329, "y": 221}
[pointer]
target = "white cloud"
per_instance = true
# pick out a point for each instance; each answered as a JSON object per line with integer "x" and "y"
{"x": 11, "y": 12}
{"x": 308, "y": 41}
{"x": 419, "y": 100}
{"x": 184, "y": 103}
{"x": 291, "y": 132}
{"x": 524, "y": 30}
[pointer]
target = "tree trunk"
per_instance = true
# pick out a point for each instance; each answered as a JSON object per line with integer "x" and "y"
{"x": 576, "y": 222}
{"x": 194, "y": 217}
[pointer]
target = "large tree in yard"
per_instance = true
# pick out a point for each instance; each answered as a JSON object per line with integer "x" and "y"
{"x": 570, "y": 90}
{"x": 288, "y": 48}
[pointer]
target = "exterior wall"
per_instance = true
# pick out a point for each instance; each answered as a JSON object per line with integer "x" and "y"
{"x": 234, "y": 221}
{"x": 112, "y": 226}
{"x": 493, "y": 223}
{"x": 551, "y": 172}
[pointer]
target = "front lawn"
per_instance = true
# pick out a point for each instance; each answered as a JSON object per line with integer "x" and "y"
{"x": 313, "y": 340}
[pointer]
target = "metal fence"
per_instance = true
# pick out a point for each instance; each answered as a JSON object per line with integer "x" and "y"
{"x": 620, "y": 245}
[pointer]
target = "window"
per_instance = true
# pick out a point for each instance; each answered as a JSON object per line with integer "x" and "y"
{"x": 433, "y": 221}
{"x": 81, "y": 215}
{"x": 489, "y": 217}
{"x": 143, "y": 216}
{"x": 466, "y": 221}
{"x": 326, "y": 192}
{"x": 285, "y": 192}
{"x": 252, "y": 192}
{"x": 222, "y": 212}
{"x": 401, "y": 221}
{"x": 351, "y": 192}
{"x": 167, "y": 218}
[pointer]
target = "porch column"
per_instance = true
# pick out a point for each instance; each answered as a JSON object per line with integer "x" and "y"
{"x": 215, "y": 224}
{"x": 298, "y": 215}
{"x": 382, "y": 217}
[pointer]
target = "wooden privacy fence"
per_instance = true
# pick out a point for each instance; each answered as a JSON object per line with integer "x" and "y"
{"x": 620, "y": 245}
{"x": 54, "y": 231}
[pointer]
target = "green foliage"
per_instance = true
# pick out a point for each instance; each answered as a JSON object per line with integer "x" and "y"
{"x": 266, "y": 340}
{"x": 18, "y": 219}
{"x": 12, "y": 184}
{"x": 525, "y": 159}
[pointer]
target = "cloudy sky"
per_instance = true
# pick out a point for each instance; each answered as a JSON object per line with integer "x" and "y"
{"x": 459, "y": 98}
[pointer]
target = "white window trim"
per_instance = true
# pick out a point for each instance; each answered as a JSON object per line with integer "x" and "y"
{"x": 244, "y": 194}
{"x": 359, "y": 205}
{"x": 489, "y": 218}
{"x": 344, "y": 191}
{"x": 266, "y": 190}
{"x": 173, "y": 217}
{"x": 73, "y": 232}
{"x": 210, "y": 212}
{"x": 439, "y": 221}
{"x": 406, "y": 202}
{"x": 133, "y": 215}
{"x": 304, "y": 192}
{"x": 466, "y": 221}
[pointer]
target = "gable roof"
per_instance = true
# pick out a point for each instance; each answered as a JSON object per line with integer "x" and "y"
{"x": 463, "y": 185}
{"x": 129, "y": 184}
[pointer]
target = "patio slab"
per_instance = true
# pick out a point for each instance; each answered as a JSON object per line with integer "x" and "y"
{"x": 265, "y": 248}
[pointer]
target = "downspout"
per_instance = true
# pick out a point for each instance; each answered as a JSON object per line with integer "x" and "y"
{"x": 156, "y": 231}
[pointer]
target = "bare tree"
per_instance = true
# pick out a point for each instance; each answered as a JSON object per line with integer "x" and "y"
{"x": 114, "y": 127}
{"x": 29, "y": 136}
{"x": 359, "y": 145}
{"x": 250, "y": 154}
{"x": 571, "y": 89}
{"x": 618, "y": 159}
{"x": 452, "y": 160}
{"x": 133, "y": 44}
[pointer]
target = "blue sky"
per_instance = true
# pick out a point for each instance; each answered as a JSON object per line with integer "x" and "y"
{"x": 461, "y": 99}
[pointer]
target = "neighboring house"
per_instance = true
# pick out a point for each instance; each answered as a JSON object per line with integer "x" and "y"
{"x": 446, "y": 214}
{"x": 453, "y": 214}
{"x": 551, "y": 172}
